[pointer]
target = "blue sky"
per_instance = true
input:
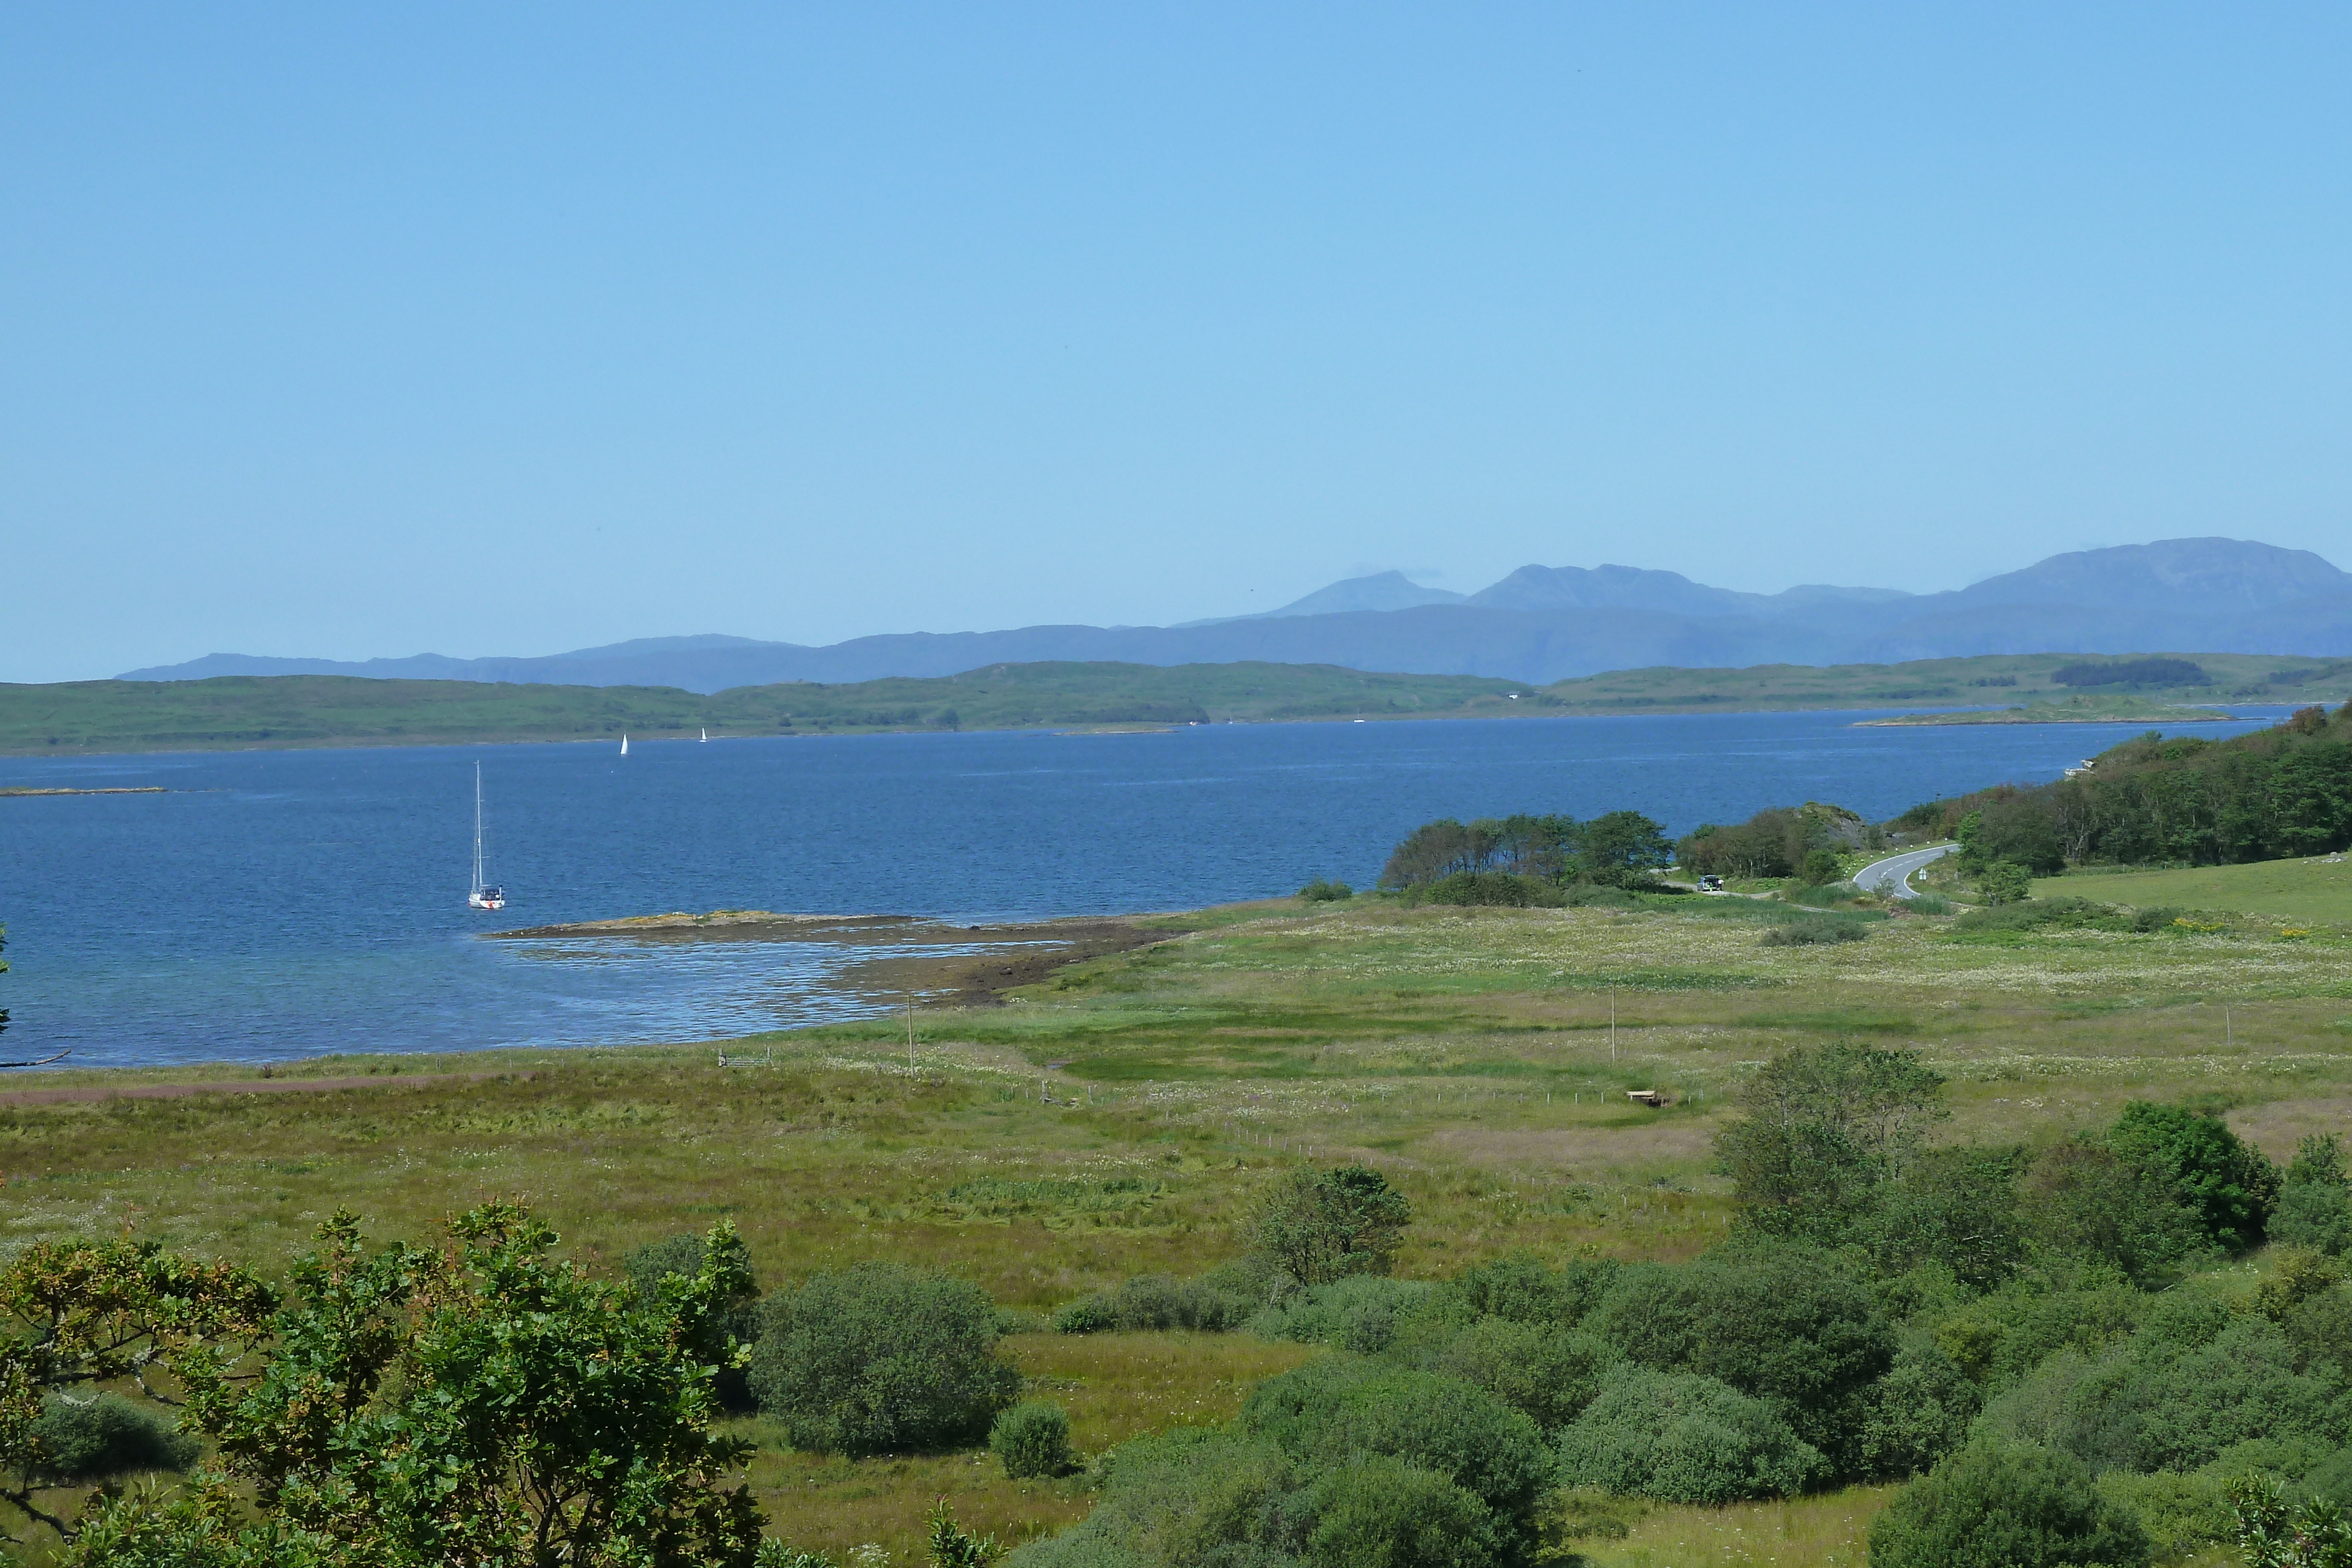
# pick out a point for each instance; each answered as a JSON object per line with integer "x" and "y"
{"x": 345, "y": 330}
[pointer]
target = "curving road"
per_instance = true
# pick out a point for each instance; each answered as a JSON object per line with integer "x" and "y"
{"x": 1891, "y": 876}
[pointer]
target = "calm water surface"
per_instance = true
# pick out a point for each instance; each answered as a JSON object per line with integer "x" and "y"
{"x": 283, "y": 904}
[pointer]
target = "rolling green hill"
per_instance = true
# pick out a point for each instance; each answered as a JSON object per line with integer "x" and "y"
{"x": 246, "y": 711}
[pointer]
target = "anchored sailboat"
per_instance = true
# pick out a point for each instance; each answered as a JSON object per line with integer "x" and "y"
{"x": 625, "y": 745}
{"x": 482, "y": 896}
{"x": 706, "y": 737}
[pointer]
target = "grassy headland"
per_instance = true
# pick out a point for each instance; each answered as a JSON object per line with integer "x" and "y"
{"x": 246, "y": 711}
{"x": 1120, "y": 1116}
{"x": 2070, "y": 710}
{"x": 242, "y": 712}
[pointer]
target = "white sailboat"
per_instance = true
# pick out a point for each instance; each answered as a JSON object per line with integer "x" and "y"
{"x": 482, "y": 896}
{"x": 625, "y": 745}
{"x": 706, "y": 736}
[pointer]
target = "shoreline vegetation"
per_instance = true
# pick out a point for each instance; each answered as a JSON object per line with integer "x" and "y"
{"x": 2075, "y": 710}
{"x": 89, "y": 718}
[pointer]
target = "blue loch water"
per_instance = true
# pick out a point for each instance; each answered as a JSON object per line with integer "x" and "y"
{"x": 282, "y": 903}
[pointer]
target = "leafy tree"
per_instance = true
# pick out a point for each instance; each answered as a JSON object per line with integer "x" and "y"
{"x": 1322, "y": 1225}
{"x": 1191, "y": 1495}
{"x": 1324, "y": 890}
{"x": 2226, "y": 1184}
{"x": 91, "y": 1438}
{"x": 1520, "y": 1286}
{"x": 1994, "y": 1506}
{"x": 1361, "y": 1312}
{"x": 879, "y": 1359}
{"x": 2315, "y": 1203}
{"x": 1684, "y": 1438}
{"x": 75, "y": 1315}
{"x": 1620, "y": 849}
{"x": 733, "y": 1326}
{"x": 2273, "y": 1535}
{"x": 202, "y": 1527}
{"x": 1821, "y": 867}
{"x": 1548, "y": 1373}
{"x": 486, "y": 1403}
{"x": 1955, "y": 1207}
{"x": 1917, "y": 1414}
{"x": 1822, "y": 1127}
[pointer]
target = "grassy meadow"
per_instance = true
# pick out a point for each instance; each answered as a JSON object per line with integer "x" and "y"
{"x": 2314, "y": 890}
{"x": 1120, "y": 1117}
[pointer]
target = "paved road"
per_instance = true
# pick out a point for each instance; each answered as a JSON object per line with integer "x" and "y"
{"x": 1891, "y": 876}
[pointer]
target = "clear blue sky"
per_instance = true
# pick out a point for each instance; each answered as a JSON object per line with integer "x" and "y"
{"x": 353, "y": 331}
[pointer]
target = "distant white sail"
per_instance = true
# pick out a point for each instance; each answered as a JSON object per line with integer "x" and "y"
{"x": 482, "y": 895}
{"x": 624, "y": 746}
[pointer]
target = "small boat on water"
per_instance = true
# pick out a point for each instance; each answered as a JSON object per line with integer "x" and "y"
{"x": 706, "y": 737}
{"x": 624, "y": 746}
{"x": 483, "y": 896}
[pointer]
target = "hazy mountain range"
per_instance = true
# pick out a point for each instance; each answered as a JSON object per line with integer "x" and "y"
{"x": 1540, "y": 623}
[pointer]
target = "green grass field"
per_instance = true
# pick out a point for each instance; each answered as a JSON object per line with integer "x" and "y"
{"x": 2317, "y": 891}
{"x": 1121, "y": 1117}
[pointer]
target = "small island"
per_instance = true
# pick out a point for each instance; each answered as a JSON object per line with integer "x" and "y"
{"x": 2075, "y": 710}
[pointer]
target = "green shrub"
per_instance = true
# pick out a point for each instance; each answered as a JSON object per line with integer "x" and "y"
{"x": 2005, "y": 882}
{"x": 1321, "y": 891}
{"x": 1331, "y": 1413}
{"x": 1784, "y": 1324}
{"x": 1917, "y": 1414}
{"x": 1929, "y": 904}
{"x": 1191, "y": 1495}
{"x": 1550, "y": 1373}
{"x": 1820, "y": 867}
{"x": 1492, "y": 888}
{"x": 1088, "y": 1314}
{"x": 1387, "y": 1513}
{"x": 2066, "y": 913}
{"x": 1680, "y": 1438}
{"x": 2181, "y": 1514}
{"x": 1522, "y": 1287}
{"x": 2081, "y": 1199}
{"x": 1811, "y": 933}
{"x": 2315, "y": 1204}
{"x": 1361, "y": 1314}
{"x": 2228, "y": 1184}
{"x": 90, "y": 1438}
{"x": 880, "y": 1359}
{"x": 2161, "y": 918}
{"x": 1992, "y": 1506}
{"x": 1032, "y": 1441}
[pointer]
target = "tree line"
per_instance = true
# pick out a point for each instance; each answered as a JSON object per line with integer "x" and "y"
{"x": 2275, "y": 794}
{"x": 1511, "y": 859}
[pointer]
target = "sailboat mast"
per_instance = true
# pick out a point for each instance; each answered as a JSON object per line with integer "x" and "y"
{"x": 477, "y": 827}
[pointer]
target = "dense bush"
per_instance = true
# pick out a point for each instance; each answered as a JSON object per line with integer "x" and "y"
{"x": 2082, "y": 1199}
{"x": 1191, "y": 1495}
{"x": 1324, "y": 890}
{"x": 1489, "y": 888}
{"x": 2315, "y": 1204}
{"x": 2226, "y": 1185}
{"x": 1681, "y": 1438}
{"x": 92, "y": 1437}
{"x": 1774, "y": 843}
{"x": 1387, "y": 1513}
{"x": 880, "y": 1359}
{"x": 1996, "y": 1506}
{"x": 2150, "y": 671}
{"x": 1548, "y": 1373}
{"x": 1917, "y": 1414}
{"x": 1032, "y": 1441}
{"x": 1331, "y": 1412}
{"x": 1521, "y": 1287}
{"x": 1361, "y": 1314}
{"x": 1821, "y": 1128}
{"x": 1211, "y": 1304}
{"x": 1616, "y": 849}
{"x": 1783, "y": 1324}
